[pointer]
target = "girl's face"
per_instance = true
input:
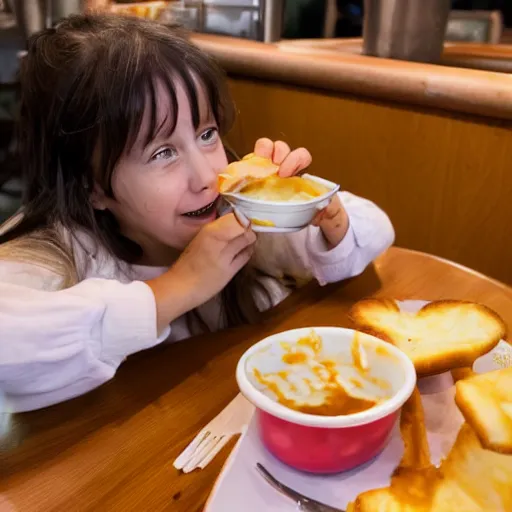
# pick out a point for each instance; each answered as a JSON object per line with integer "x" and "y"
{"x": 166, "y": 191}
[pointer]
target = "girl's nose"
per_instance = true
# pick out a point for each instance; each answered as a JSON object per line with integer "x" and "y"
{"x": 203, "y": 175}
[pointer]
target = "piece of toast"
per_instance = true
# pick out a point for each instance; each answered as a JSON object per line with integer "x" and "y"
{"x": 486, "y": 402}
{"x": 470, "y": 479}
{"x": 250, "y": 168}
{"x": 441, "y": 336}
{"x": 473, "y": 478}
{"x": 413, "y": 472}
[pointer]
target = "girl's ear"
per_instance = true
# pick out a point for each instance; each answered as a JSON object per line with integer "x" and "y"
{"x": 98, "y": 198}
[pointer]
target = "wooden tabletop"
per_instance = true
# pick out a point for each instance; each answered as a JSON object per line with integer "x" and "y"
{"x": 112, "y": 450}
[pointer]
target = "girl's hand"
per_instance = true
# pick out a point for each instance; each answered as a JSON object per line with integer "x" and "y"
{"x": 210, "y": 261}
{"x": 290, "y": 162}
{"x": 333, "y": 219}
{"x": 214, "y": 256}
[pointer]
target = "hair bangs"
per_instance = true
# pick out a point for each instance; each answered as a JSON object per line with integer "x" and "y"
{"x": 161, "y": 64}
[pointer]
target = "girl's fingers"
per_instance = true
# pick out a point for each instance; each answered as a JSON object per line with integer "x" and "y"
{"x": 290, "y": 162}
{"x": 317, "y": 219}
{"x": 264, "y": 148}
{"x": 239, "y": 244}
{"x": 241, "y": 218}
{"x": 296, "y": 161}
{"x": 281, "y": 151}
{"x": 331, "y": 210}
{"x": 242, "y": 258}
{"x": 328, "y": 213}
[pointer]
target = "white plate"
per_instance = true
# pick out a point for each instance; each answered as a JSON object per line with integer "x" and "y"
{"x": 240, "y": 487}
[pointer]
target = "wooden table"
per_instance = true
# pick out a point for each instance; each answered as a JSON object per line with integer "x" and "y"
{"x": 112, "y": 450}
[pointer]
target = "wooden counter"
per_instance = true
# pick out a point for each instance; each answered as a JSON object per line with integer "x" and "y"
{"x": 451, "y": 88}
{"x": 477, "y": 56}
{"x": 488, "y": 57}
{"x": 432, "y": 145}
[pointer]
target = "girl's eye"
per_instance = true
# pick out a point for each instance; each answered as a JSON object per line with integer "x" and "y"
{"x": 164, "y": 154}
{"x": 209, "y": 136}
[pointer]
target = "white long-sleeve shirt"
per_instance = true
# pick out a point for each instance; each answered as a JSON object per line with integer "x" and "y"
{"x": 57, "y": 343}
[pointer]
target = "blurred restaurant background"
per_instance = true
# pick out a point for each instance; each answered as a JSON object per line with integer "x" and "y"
{"x": 406, "y": 102}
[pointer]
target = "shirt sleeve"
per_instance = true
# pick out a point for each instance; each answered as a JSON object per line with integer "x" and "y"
{"x": 305, "y": 255}
{"x": 59, "y": 344}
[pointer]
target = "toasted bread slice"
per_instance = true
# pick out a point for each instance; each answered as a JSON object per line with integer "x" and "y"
{"x": 250, "y": 168}
{"x": 486, "y": 402}
{"x": 415, "y": 476}
{"x": 470, "y": 479}
{"x": 474, "y": 479}
{"x": 382, "y": 500}
{"x": 441, "y": 336}
{"x": 462, "y": 373}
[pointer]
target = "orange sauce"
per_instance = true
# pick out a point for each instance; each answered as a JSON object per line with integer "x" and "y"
{"x": 295, "y": 358}
{"x": 313, "y": 341}
{"x": 275, "y": 188}
{"x": 355, "y": 349}
{"x": 382, "y": 351}
{"x": 337, "y": 401}
{"x": 380, "y": 383}
{"x": 356, "y": 383}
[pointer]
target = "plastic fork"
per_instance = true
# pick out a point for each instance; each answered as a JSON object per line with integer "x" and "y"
{"x": 209, "y": 442}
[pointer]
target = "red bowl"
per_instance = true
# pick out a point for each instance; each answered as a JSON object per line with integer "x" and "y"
{"x": 324, "y": 450}
{"x": 327, "y": 444}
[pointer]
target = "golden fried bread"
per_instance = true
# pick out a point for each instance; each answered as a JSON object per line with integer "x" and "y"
{"x": 474, "y": 479}
{"x": 470, "y": 479}
{"x": 486, "y": 402}
{"x": 441, "y": 336}
{"x": 250, "y": 168}
{"x": 414, "y": 480}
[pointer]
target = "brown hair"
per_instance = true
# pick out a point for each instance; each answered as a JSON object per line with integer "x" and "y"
{"x": 86, "y": 84}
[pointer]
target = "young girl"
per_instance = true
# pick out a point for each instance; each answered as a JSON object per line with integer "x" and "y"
{"x": 119, "y": 245}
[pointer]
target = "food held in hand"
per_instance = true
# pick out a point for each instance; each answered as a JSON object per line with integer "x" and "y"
{"x": 441, "y": 336}
{"x": 250, "y": 168}
{"x": 256, "y": 178}
{"x": 313, "y": 384}
{"x": 486, "y": 402}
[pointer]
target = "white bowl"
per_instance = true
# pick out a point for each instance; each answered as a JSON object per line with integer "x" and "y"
{"x": 278, "y": 216}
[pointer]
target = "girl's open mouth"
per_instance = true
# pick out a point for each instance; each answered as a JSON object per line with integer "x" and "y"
{"x": 205, "y": 211}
